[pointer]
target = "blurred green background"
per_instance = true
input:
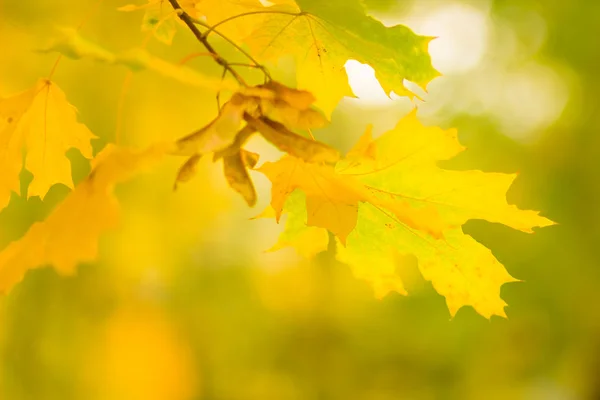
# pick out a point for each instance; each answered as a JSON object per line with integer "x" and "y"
{"x": 185, "y": 304}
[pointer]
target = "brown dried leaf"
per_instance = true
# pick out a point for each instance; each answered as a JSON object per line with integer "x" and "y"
{"x": 234, "y": 168}
{"x": 299, "y": 99}
{"x": 291, "y": 107}
{"x": 188, "y": 170}
{"x": 292, "y": 143}
{"x": 220, "y": 133}
{"x": 240, "y": 139}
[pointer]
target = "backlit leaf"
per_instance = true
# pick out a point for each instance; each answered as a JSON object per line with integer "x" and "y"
{"x": 390, "y": 198}
{"x": 307, "y": 240}
{"x": 322, "y": 36}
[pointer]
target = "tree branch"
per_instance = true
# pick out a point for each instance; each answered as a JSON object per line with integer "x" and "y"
{"x": 189, "y": 21}
{"x": 234, "y": 44}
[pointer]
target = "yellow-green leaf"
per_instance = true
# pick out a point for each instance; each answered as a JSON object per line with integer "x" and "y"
{"x": 390, "y": 198}
{"x": 322, "y": 36}
{"x": 307, "y": 240}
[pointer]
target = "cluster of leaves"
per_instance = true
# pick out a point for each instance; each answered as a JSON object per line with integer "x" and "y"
{"x": 387, "y": 197}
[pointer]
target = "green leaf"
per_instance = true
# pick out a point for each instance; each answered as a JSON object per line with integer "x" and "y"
{"x": 396, "y": 52}
{"x": 323, "y": 35}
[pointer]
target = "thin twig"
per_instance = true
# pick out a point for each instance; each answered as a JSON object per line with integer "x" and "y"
{"x": 234, "y": 44}
{"x": 87, "y": 16}
{"x": 212, "y": 29}
{"x": 190, "y": 22}
{"x": 236, "y": 64}
{"x": 189, "y": 57}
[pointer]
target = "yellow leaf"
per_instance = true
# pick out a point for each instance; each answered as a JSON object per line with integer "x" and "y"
{"x": 363, "y": 149}
{"x": 406, "y": 169}
{"x": 41, "y": 121}
{"x": 70, "y": 233}
{"x": 332, "y": 199}
{"x": 308, "y": 241}
{"x": 11, "y": 143}
{"x": 389, "y": 198}
{"x": 268, "y": 212}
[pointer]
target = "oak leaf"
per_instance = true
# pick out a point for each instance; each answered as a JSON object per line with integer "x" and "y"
{"x": 41, "y": 122}
{"x": 70, "y": 234}
{"x": 389, "y": 198}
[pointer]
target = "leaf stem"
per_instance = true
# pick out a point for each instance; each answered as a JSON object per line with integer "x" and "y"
{"x": 189, "y": 57}
{"x": 191, "y": 24}
{"x": 91, "y": 11}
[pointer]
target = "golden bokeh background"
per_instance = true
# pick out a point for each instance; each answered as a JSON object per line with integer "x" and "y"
{"x": 184, "y": 302}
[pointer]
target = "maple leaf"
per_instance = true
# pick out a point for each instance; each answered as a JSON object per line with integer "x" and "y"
{"x": 41, "y": 122}
{"x": 322, "y": 36}
{"x": 389, "y": 198}
{"x": 307, "y": 240}
{"x": 70, "y": 234}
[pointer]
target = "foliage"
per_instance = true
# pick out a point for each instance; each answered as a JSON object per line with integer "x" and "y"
{"x": 386, "y": 197}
